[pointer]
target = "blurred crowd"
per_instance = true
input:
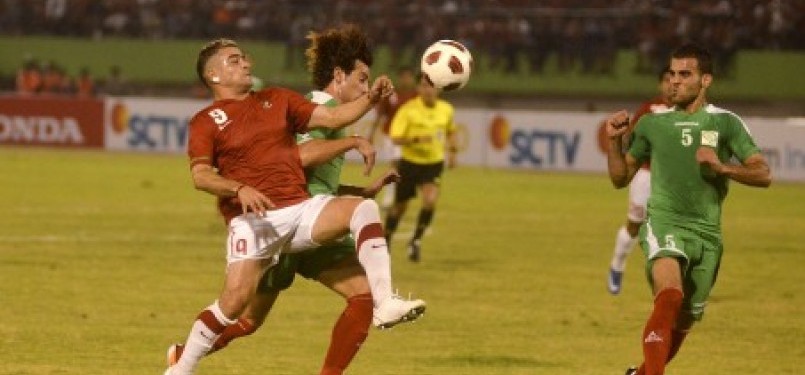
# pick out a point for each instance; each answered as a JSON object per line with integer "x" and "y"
{"x": 49, "y": 78}
{"x": 511, "y": 35}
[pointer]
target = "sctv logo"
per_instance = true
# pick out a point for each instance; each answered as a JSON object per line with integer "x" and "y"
{"x": 156, "y": 131}
{"x": 534, "y": 147}
{"x": 544, "y": 148}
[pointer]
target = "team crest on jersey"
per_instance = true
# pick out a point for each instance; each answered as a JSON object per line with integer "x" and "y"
{"x": 709, "y": 138}
{"x": 220, "y": 118}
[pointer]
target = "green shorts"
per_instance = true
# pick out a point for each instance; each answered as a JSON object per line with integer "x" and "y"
{"x": 699, "y": 256}
{"x": 308, "y": 263}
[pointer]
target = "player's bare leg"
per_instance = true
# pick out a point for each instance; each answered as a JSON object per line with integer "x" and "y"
{"x": 239, "y": 289}
{"x": 248, "y": 323}
{"x": 395, "y": 214}
{"x": 430, "y": 194}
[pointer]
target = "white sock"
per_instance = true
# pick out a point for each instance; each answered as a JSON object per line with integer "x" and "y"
{"x": 623, "y": 246}
{"x": 206, "y": 329}
{"x": 373, "y": 253}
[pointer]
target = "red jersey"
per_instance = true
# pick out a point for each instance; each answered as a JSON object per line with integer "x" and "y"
{"x": 389, "y": 106}
{"x": 652, "y": 106}
{"x": 253, "y": 141}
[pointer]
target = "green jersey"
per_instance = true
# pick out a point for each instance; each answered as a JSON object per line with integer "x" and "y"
{"x": 323, "y": 179}
{"x": 682, "y": 191}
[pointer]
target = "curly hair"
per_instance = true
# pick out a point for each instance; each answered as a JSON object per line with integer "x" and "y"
{"x": 336, "y": 47}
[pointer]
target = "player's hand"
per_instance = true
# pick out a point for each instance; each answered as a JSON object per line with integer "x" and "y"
{"x": 365, "y": 148}
{"x": 253, "y": 200}
{"x": 381, "y": 88}
{"x": 706, "y": 156}
{"x": 389, "y": 177}
{"x": 617, "y": 124}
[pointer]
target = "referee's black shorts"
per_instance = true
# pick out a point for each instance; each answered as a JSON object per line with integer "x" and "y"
{"x": 413, "y": 175}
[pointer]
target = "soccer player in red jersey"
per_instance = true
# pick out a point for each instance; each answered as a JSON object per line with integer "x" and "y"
{"x": 243, "y": 150}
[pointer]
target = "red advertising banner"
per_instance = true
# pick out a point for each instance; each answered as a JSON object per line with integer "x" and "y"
{"x": 51, "y": 121}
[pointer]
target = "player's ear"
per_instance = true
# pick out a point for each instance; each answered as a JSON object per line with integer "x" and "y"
{"x": 339, "y": 76}
{"x": 212, "y": 76}
{"x": 707, "y": 79}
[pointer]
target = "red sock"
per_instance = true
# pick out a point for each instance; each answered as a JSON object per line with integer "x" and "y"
{"x": 657, "y": 338}
{"x": 349, "y": 333}
{"x": 677, "y": 337}
{"x": 231, "y": 332}
{"x": 239, "y": 329}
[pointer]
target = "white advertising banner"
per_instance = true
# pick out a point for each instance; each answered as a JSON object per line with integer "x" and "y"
{"x": 533, "y": 140}
{"x": 783, "y": 143}
{"x": 149, "y": 124}
{"x": 553, "y": 141}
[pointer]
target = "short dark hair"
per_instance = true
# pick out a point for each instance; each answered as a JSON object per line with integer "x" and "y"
{"x": 207, "y": 52}
{"x": 702, "y": 56}
{"x": 336, "y": 47}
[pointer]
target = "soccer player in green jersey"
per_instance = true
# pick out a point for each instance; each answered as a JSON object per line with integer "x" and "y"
{"x": 339, "y": 61}
{"x": 690, "y": 147}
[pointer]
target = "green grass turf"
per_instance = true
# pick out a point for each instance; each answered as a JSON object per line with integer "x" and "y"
{"x": 759, "y": 75}
{"x": 105, "y": 259}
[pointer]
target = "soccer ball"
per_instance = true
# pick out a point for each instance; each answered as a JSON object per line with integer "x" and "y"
{"x": 447, "y": 65}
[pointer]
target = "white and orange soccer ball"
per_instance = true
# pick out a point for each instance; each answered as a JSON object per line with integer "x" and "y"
{"x": 447, "y": 64}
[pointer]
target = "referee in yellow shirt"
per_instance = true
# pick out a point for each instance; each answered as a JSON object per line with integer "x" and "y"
{"x": 423, "y": 128}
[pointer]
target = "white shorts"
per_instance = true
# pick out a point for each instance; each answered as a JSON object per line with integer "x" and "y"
{"x": 639, "y": 191}
{"x": 285, "y": 230}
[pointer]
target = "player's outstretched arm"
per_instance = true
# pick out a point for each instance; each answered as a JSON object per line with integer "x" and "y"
{"x": 316, "y": 152}
{"x": 754, "y": 171}
{"x": 342, "y": 115}
{"x": 371, "y": 190}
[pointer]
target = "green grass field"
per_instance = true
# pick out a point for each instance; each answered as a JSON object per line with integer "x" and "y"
{"x": 759, "y": 75}
{"x": 105, "y": 259}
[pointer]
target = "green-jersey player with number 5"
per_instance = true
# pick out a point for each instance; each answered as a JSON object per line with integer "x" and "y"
{"x": 690, "y": 147}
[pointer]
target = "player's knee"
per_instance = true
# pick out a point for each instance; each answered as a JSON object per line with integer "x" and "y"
{"x": 234, "y": 300}
{"x": 365, "y": 212}
{"x": 368, "y": 204}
